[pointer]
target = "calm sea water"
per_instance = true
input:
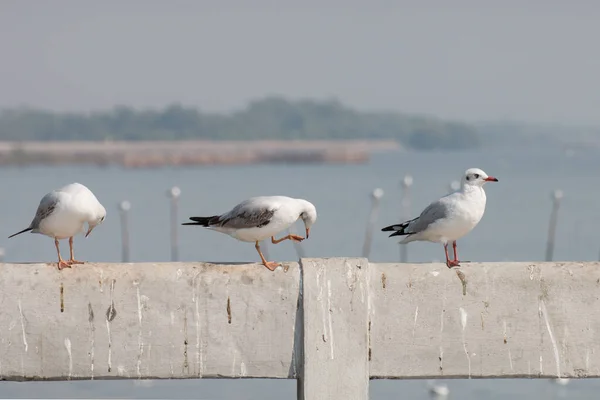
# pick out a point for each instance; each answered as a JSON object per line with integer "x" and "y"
{"x": 514, "y": 228}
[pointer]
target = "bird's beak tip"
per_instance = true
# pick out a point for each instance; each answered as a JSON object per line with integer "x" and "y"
{"x": 491, "y": 179}
{"x": 307, "y": 232}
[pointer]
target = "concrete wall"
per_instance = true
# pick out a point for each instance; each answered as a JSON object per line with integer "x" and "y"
{"x": 515, "y": 320}
{"x": 330, "y": 323}
{"x": 184, "y": 320}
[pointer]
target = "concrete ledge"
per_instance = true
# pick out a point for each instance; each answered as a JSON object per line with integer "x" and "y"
{"x": 151, "y": 320}
{"x": 312, "y": 322}
{"x": 528, "y": 320}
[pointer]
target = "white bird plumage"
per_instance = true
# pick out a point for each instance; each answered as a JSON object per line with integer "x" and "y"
{"x": 260, "y": 218}
{"x": 63, "y": 214}
{"x": 449, "y": 218}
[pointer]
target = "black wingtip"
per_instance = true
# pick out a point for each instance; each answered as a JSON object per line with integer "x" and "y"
{"x": 388, "y": 228}
{"x": 198, "y": 221}
{"x": 203, "y": 221}
{"x": 18, "y": 233}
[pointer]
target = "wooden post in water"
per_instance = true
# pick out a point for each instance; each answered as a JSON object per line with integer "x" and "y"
{"x": 174, "y": 194}
{"x": 557, "y": 195}
{"x": 375, "y": 200}
{"x": 124, "y": 208}
{"x": 406, "y": 184}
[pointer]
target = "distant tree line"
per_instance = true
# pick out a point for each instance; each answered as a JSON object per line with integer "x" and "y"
{"x": 269, "y": 118}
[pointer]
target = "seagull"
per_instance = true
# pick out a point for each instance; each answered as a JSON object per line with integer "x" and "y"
{"x": 63, "y": 213}
{"x": 259, "y": 218}
{"x": 449, "y": 218}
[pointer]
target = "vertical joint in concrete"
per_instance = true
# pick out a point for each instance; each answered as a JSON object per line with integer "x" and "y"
{"x": 335, "y": 313}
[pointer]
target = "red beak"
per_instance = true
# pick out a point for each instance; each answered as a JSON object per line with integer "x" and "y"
{"x": 307, "y": 232}
{"x": 491, "y": 179}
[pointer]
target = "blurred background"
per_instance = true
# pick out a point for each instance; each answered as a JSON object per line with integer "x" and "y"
{"x": 168, "y": 109}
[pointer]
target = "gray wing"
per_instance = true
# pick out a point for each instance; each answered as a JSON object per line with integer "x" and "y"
{"x": 247, "y": 214}
{"x": 434, "y": 212}
{"x": 45, "y": 209}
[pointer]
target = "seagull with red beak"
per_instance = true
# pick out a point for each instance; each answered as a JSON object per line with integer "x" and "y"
{"x": 63, "y": 214}
{"x": 260, "y": 218}
{"x": 449, "y": 218}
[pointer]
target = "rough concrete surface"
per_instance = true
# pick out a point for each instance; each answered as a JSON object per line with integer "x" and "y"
{"x": 515, "y": 320}
{"x": 336, "y": 311}
{"x": 147, "y": 320}
{"x": 355, "y": 320}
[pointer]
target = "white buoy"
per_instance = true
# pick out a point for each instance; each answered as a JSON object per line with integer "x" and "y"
{"x": 561, "y": 381}
{"x": 377, "y": 193}
{"x": 438, "y": 390}
{"x": 125, "y": 205}
{"x": 174, "y": 192}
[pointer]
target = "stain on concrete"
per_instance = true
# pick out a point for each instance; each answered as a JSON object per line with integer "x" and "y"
{"x": 228, "y": 310}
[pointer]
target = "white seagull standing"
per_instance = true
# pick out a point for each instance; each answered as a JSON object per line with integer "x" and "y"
{"x": 259, "y": 218}
{"x": 449, "y": 218}
{"x": 63, "y": 213}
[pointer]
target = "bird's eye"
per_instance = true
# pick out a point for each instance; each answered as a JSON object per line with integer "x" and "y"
{"x": 476, "y": 176}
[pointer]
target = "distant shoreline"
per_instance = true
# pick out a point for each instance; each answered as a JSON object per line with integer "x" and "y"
{"x": 271, "y": 118}
{"x": 152, "y": 154}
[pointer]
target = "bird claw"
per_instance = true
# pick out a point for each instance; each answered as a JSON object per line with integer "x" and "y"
{"x": 271, "y": 265}
{"x": 297, "y": 238}
{"x": 71, "y": 262}
{"x": 452, "y": 263}
{"x": 63, "y": 264}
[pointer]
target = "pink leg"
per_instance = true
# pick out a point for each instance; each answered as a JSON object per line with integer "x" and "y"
{"x": 449, "y": 263}
{"x": 455, "y": 255}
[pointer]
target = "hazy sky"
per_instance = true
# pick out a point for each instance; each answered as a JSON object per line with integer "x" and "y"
{"x": 528, "y": 60}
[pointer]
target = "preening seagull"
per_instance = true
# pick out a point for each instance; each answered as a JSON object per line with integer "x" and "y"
{"x": 63, "y": 213}
{"x": 449, "y": 218}
{"x": 259, "y": 218}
